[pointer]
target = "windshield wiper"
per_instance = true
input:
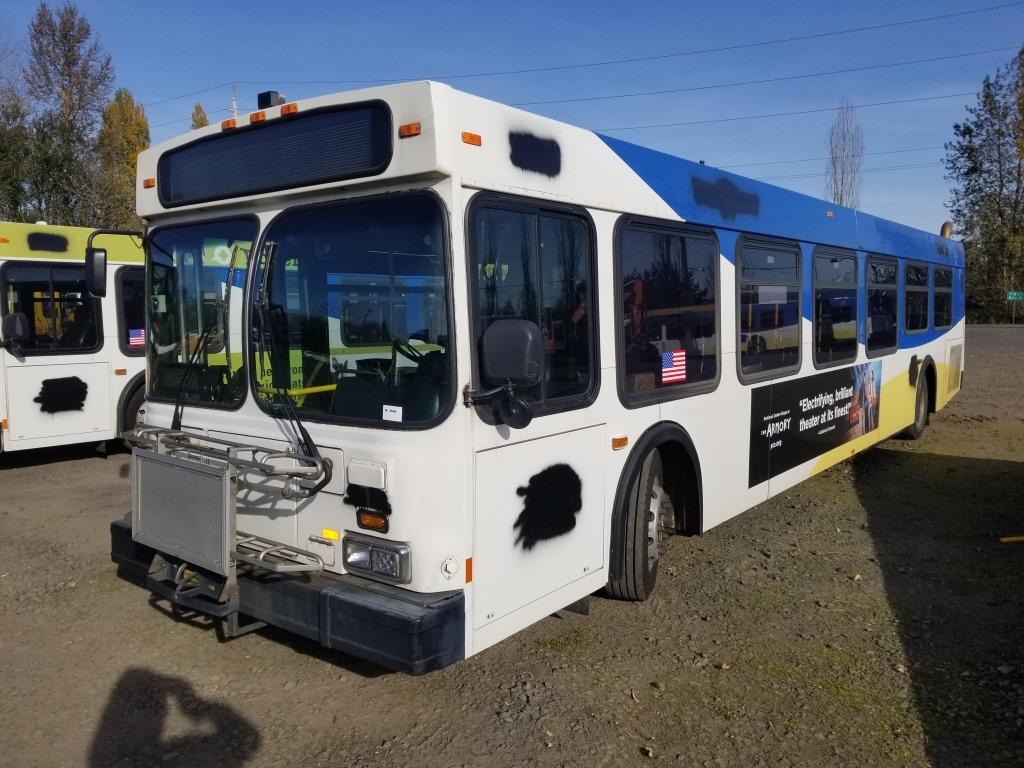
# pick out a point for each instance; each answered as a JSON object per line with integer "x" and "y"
{"x": 264, "y": 312}
{"x": 190, "y": 366}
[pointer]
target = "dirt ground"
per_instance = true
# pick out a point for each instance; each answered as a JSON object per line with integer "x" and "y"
{"x": 870, "y": 617}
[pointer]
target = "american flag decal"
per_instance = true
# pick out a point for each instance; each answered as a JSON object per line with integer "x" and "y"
{"x": 673, "y": 366}
{"x": 136, "y": 337}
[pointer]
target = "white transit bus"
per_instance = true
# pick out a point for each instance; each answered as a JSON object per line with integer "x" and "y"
{"x": 71, "y": 365}
{"x": 424, "y": 368}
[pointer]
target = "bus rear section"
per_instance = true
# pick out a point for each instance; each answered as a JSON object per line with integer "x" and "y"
{"x": 73, "y": 364}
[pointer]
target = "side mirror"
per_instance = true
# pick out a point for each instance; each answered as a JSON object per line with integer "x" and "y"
{"x": 15, "y": 329}
{"x": 512, "y": 350}
{"x": 96, "y": 271}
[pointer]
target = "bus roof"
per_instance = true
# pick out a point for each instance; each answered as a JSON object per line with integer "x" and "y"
{"x": 53, "y": 242}
{"x": 487, "y": 145}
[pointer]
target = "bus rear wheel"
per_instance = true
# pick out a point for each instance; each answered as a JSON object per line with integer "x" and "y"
{"x": 915, "y": 430}
{"x": 649, "y": 521}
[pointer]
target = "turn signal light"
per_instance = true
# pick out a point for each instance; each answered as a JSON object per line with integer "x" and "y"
{"x": 289, "y": 109}
{"x": 257, "y": 117}
{"x": 228, "y": 124}
{"x": 471, "y": 138}
{"x": 148, "y": 183}
{"x": 3, "y": 424}
{"x": 469, "y": 570}
{"x": 619, "y": 443}
{"x": 408, "y": 130}
{"x": 120, "y": 371}
{"x": 372, "y": 520}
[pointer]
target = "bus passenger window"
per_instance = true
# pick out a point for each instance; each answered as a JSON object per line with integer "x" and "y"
{"x": 62, "y": 318}
{"x": 915, "y": 297}
{"x": 769, "y": 308}
{"x": 942, "y": 316}
{"x": 669, "y": 324}
{"x": 882, "y": 291}
{"x": 835, "y": 307}
{"x": 535, "y": 265}
{"x": 131, "y": 298}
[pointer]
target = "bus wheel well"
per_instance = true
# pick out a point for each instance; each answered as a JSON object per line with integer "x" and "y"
{"x": 132, "y": 388}
{"x": 929, "y": 377}
{"x": 683, "y": 486}
{"x": 682, "y": 476}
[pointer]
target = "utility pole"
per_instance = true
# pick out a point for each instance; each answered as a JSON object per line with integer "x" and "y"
{"x": 234, "y": 100}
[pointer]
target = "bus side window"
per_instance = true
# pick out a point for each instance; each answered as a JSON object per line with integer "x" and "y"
{"x": 942, "y": 305}
{"x": 131, "y": 310}
{"x": 882, "y": 292}
{"x": 668, "y": 293}
{"x": 835, "y": 307}
{"x": 62, "y": 318}
{"x": 915, "y": 299}
{"x": 769, "y": 308}
{"x": 535, "y": 264}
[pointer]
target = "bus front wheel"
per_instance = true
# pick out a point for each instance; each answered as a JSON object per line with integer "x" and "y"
{"x": 649, "y": 520}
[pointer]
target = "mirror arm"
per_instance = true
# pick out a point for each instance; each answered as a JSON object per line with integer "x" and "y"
{"x": 471, "y": 397}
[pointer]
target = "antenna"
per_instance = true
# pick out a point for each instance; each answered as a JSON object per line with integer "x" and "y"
{"x": 234, "y": 100}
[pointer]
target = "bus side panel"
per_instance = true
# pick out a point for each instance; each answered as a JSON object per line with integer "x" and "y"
{"x": 4, "y": 437}
{"x": 53, "y": 404}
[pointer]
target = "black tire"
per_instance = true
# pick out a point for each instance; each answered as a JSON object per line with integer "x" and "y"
{"x": 649, "y": 520}
{"x": 915, "y": 430}
{"x": 131, "y": 410}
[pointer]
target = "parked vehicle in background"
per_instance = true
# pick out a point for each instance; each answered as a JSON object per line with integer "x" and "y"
{"x": 425, "y": 368}
{"x": 72, "y": 366}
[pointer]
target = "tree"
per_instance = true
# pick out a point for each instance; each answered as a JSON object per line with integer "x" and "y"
{"x": 68, "y": 79}
{"x": 846, "y": 151}
{"x": 985, "y": 165}
{"x": 15, "y": 133}
{"x": 123, "y": 134}
{"x": 199, "y": 119}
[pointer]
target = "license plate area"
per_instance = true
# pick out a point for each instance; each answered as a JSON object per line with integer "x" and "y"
{"x": 185, "y": 508}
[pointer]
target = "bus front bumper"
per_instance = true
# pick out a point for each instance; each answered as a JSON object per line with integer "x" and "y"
{"x": 395, "y": 628}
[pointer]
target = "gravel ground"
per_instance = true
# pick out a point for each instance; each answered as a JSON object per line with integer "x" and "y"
{"x": 858, "y": 620}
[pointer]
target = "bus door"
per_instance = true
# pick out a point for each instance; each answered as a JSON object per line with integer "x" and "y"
{"x": 57, "y": 392}
{"x": 539, "y": 492}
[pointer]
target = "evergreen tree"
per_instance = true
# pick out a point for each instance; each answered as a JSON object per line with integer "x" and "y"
{"x": 985, "y": 164}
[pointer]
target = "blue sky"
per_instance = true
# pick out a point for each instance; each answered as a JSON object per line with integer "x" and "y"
{"x": 164, "y": 50}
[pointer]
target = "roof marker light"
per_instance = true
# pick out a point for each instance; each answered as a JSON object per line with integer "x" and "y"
{"x": 228, "y": 124}
{"x": 149, "y": 183}
{"x": 257, "y": 117}
{"x": 472, "y": 138}
{"x": 409, "y": 130}
{"x": 289, "y": 109}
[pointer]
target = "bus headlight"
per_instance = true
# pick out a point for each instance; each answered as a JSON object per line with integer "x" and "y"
{"x": 377, "y": 558}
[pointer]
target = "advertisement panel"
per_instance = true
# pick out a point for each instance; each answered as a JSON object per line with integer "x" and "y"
{"x": 794, "y": 421}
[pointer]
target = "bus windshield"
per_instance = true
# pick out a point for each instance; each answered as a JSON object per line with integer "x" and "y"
{"x": 351, "y": 316}
{"x": 196, "y": 276}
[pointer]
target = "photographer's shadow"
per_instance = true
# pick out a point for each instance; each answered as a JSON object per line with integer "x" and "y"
{"x": 136, "y": 727}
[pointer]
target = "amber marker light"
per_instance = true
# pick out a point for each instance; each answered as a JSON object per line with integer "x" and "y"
{"x": 618, "y": 443}
{"x": 289, "y": 109}
{"x": 257, "y": 117}
{"x": 3, "y": 424}
{"x": 469, "y": 569}
{"x": 120, "y": 371}
{"x": 472, "y": 138}
{"x": 149, "y": 183}
{"x": 372, "y": 520}
{"x": 228, "y": 124}
{"x": 409, "y": 130}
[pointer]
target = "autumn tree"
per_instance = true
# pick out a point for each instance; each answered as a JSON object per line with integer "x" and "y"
{"x": 199, "y": 118}
{"x": 15, "y": 133}
{"x": 846, "y": 151}
{"x": 68, "y": 77}
{"x": 985, "y": 166}
{"x": 124, "y": 133}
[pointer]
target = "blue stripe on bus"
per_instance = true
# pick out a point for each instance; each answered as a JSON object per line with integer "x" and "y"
{"x": 705, "y": 195}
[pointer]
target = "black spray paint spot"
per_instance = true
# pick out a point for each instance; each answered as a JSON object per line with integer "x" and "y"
{"x": 532, "y": 153}
{"x": 362, "y": 496}
{"x": 45, "y": 241}
{"x": 67, "y": 394}
{"x": 551, "y": 502}
{"x": 725, "y": 197}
